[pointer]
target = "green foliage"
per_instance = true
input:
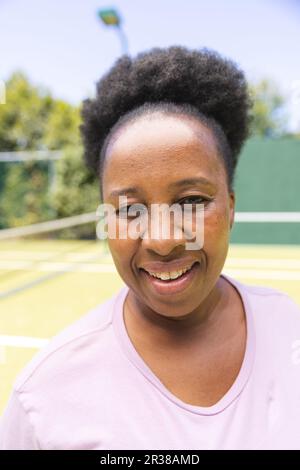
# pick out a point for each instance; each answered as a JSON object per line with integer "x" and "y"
{"x": 62, "y": 126}
{"x": 268, "y": 113}
{"x": 32, "y": 120}
{"x": 36, "y": 191}
{"x": 24, "y": 196}
{"x": 76, "y": 191}
{"x": 76, "y": 188}
{"x": 24, "y": 116}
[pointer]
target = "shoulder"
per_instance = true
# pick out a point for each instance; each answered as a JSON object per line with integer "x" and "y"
{"x": 266, "y": 293}
{"x": 68, "y": 351}
{"x": 268, "y": 303}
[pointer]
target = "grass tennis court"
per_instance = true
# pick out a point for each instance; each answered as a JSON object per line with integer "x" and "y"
{"x": 47, "y": 284}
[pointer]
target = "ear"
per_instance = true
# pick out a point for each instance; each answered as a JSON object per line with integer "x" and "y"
{"x": 231, "y": 208}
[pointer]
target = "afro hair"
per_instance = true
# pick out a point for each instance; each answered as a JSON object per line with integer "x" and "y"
{"x": 200, "y": 79}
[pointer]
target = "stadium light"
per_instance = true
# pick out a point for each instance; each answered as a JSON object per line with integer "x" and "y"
{"x": 110, "y": 17}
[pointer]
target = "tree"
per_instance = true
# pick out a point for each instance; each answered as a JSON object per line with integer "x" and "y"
{"x": 24, "y": 116}
{"x": 269, "y": 117}
{"x": 25, "y": 196}
{"x": 76, "y": 191}
{"x": 32, "y": 119}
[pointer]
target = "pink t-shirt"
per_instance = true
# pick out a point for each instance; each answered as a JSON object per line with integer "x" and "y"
{"x": 90, "y": 389}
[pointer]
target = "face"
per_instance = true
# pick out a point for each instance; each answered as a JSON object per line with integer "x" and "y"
{"x": 168, "y": 159}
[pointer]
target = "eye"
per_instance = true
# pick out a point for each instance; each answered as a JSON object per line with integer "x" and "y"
{"x": 195, "y": 200}
{"x": 132, "y": 210}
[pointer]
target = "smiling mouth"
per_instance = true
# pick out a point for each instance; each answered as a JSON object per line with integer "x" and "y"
{"x": 170, "y": 276}
{"x": 172, "y": 286}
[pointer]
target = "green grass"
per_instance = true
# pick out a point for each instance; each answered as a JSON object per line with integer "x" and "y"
{"x": 38, "y": 298}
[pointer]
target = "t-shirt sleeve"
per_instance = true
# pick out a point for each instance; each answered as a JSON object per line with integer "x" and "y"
{"x": 16, "y": 430}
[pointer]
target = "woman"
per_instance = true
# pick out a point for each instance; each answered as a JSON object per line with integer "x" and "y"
{"x": 182, "y": 357}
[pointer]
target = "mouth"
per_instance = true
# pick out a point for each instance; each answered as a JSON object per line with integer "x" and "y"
{"x": 163, "y": 283}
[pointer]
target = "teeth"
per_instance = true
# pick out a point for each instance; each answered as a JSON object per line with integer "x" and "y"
{"x": 169, "y": 275}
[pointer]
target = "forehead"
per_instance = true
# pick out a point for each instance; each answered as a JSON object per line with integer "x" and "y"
{"x": 159, "y": 148}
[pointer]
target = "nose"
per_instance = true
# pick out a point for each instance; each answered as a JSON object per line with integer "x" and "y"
{"x": 162, "y": 236}
{"x": 162, "y": 247}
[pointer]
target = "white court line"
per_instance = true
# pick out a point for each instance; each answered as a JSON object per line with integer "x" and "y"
{"x": 22, "y": 341}
{"x": 83, "y": 260}
{"x": 28, "y": 256}
{"x": 269, "y": 265}
{"x": 19, "y": 342}
{"x": 280, "y": 275}
{"x": 57, "y": 266}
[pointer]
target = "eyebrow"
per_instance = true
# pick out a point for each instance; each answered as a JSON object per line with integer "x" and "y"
{"x": 191, "y": 182}
{"x": 175, "y": 185}
{"x": 124, "y": 191}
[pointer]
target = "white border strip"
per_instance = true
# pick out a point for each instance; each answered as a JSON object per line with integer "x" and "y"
{"x": 262, "y": 217}
{"x": 52, "y": 225}
{"x": 49, "y": 226}
{"x": 24, "y": 155}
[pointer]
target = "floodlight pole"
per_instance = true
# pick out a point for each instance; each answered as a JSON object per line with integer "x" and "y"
{"x": 110, "y": 17}
{"x": 123, "y": 40}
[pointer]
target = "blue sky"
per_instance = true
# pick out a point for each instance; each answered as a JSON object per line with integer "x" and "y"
{"x": 62, "y": 45}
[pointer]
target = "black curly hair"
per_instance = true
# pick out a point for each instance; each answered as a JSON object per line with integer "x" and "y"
{"x": 174, "y": 80}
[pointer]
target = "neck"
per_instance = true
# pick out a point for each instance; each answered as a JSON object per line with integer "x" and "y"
{"x": 149, "y": 326}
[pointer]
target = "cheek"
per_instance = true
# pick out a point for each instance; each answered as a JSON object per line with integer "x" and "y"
{"x": 122, "y": 252}
{"x": 217, "y": 229}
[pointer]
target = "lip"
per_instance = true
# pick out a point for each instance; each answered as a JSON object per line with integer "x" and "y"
{"x": 172, "y": 286}
{"x": 160, "y": 267}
